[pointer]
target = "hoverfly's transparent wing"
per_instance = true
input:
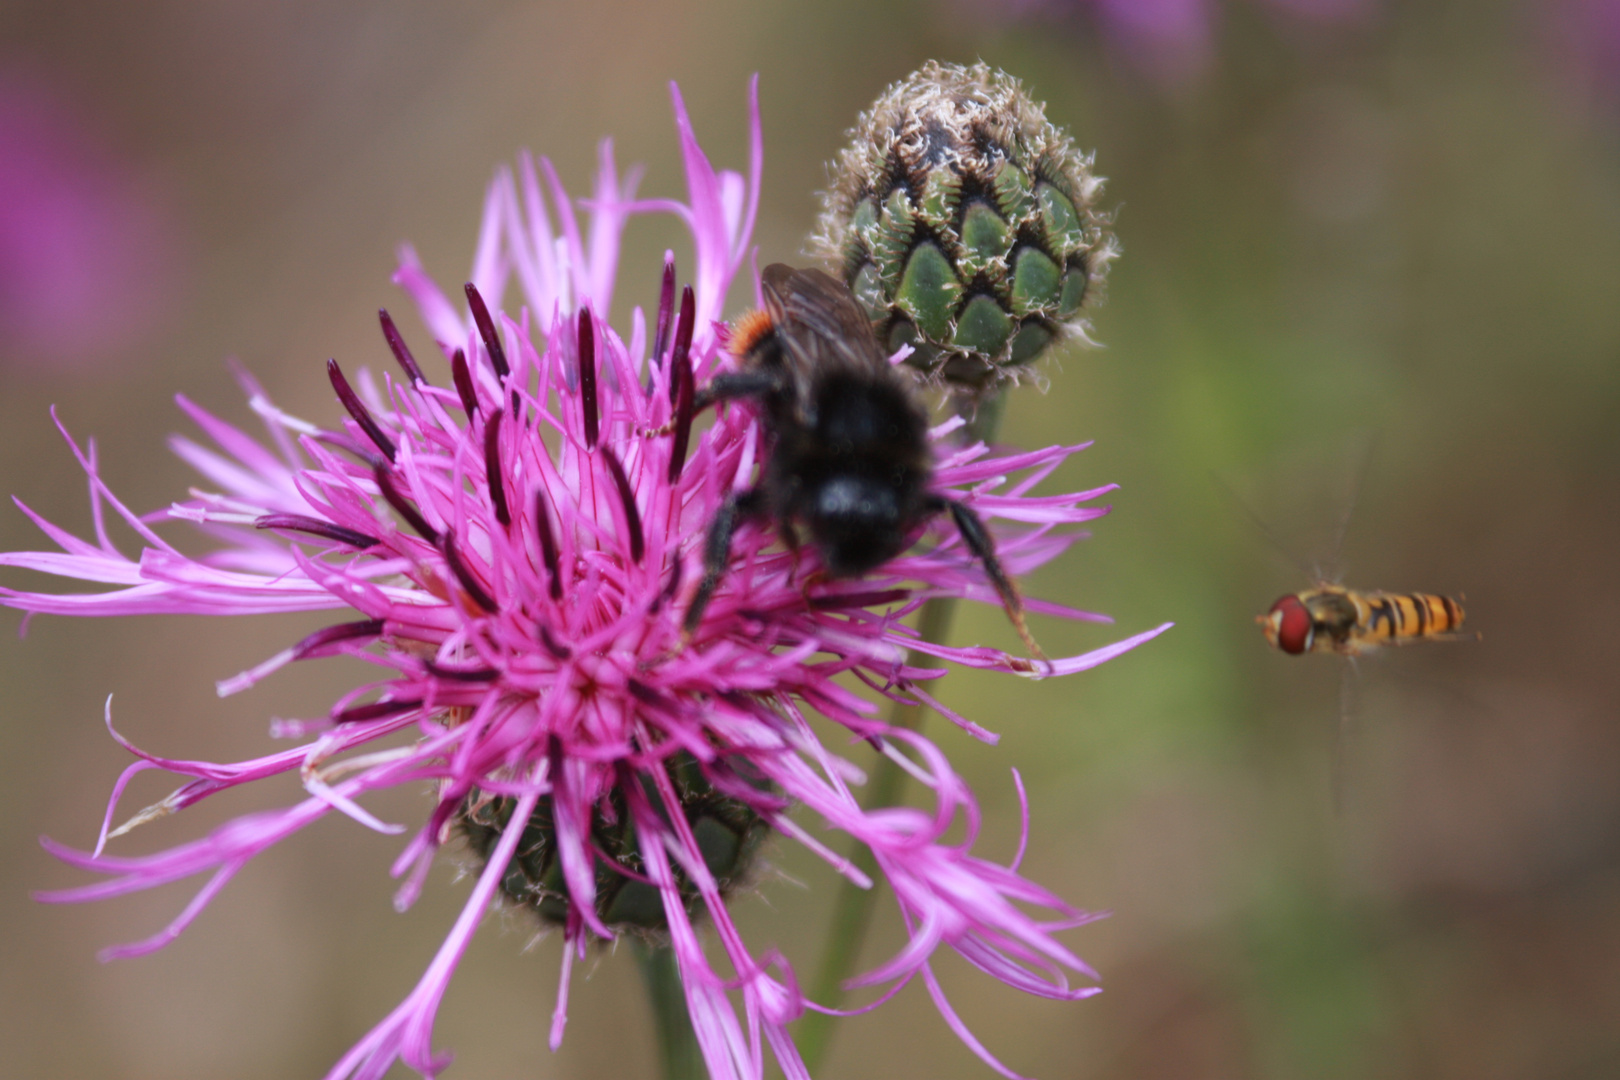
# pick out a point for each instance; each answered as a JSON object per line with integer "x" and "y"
{"x": 1307, "y": 571}
{"x": 1327, "y": 565}
{"x": 1333, "y": 569}
{"x": 1344, "y": 731}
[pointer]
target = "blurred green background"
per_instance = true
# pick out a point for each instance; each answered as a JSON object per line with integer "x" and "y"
{"x": 1400, "y": 219}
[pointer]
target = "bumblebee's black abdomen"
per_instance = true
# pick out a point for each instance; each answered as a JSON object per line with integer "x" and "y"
{"x": 859, "y": 415}
{"x": 854, "y": 425}
{"x": 858, "y": 473}
{"x": 858, "y": 523}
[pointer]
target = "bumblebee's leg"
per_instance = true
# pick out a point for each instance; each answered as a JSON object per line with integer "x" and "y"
{"x": 727, "y": 387}
{"x": 738, "y": 384}
{"x": 739, "y": 505}
{"x": 979, "y": 541}
{"x": 789, "y": 535}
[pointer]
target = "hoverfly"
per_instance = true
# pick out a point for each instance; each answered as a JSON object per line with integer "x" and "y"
{"x": 1331, "y": 618}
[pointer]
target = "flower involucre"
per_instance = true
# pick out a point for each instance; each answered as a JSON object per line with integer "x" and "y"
{"x": 513, "y": 536}
{"x": 967, "y": 224}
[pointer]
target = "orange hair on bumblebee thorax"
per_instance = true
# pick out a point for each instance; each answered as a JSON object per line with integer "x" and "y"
{"x": 747, "y": 331}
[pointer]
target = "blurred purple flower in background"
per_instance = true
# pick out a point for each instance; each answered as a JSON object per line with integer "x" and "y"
{"x": 88, "y": 261}
{"x": 1583, "y": 48}
{"x": 1171, "y": 41}
{"x": 527, "y": 621}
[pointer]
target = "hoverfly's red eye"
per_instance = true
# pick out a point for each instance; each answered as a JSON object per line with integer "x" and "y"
{"x": 1293, "y": 625}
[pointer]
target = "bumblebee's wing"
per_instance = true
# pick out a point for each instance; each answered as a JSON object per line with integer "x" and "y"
{"x": 820, "y": 324}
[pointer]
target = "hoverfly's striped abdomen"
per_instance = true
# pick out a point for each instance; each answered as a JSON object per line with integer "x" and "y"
{"x": 1330, "y": 618}
{"x": 1394, "y": 618}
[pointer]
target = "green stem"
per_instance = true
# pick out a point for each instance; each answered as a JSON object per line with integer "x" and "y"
{"x": 677, "y": 1044}
{"x": 983, "y": 415}
{"x": 852, "y": 911}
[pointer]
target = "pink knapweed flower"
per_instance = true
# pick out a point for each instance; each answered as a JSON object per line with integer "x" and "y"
{"x": 89, "y": 259}
{"x": 514, "y": 547}
{"x": 1581, "y": 43}
{"x": 1171, "y": 41}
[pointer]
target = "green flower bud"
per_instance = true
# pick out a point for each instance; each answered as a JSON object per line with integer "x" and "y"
{"x": 967, "y": 226}
{"x": 727, "y": 830}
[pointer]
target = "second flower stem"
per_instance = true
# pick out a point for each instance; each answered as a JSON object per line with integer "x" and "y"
{"x": 678, "y": 1051}
{"x": 852, "y": 911}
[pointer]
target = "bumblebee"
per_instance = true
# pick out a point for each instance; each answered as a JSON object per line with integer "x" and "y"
{"x": 1330, "y": 618}
{"x": 849, "y": 458}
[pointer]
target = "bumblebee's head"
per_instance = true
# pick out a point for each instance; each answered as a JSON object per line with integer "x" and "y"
{"x": 1288, "y": 625}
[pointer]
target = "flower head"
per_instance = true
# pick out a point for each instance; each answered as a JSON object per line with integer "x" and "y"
{"x": 513, "y": 547}
{"x": 967, "y": 225}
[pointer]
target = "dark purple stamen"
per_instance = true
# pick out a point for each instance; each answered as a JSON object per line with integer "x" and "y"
{"x": 486, "y": 330}
{"x": 375, "y": 710}
{"x": 632, "y": 516}
{"x": 462, "y": 674}
{"x": 401, "y": 351}
{"x": 316, "y": 527}
{"x": 557, "y": 649}
{"x": 683, "y": 335}
{"x": 473, "y": 587}
{"x": 357, "y": 409}
{"x": 492, "y": 467}
{"x": 462, "y": 376}
{"x": 666, "y": 308}
{"x": 317, "y": 643}
{"x": 647, "y": 695}
{"x": 683, "y": 419}
{"x": 402, "y": 506}
{"x": 587, "y": 376}
{"x": 548, "y": 545}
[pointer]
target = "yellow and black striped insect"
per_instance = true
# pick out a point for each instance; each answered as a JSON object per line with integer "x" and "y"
{"x": 1331, "y": 618}
{"x": 1334, "y": 619}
